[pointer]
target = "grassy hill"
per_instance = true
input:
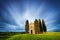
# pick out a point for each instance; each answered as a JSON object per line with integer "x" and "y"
{"x": 44, "y": 36}
{"x": 6, "y": 35}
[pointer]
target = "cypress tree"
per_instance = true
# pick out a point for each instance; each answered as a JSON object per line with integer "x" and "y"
{"x": 44, "y": 26}
{"x": 40, "y": 25}
{"x": 36, "y": 25}
{"x": 27, "y": 26}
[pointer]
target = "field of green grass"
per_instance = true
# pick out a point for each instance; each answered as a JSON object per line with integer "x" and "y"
{"x": 44, "y": 36}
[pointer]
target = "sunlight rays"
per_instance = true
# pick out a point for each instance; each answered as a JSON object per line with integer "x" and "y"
{"x": 18, "y": 14}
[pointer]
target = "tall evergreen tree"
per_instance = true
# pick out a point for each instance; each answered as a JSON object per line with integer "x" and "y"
{"x": 36, "y": 25}
{"x": 44, "y": 26}
{"x": 40, "y": 25}
{"x": 27, "y": 26}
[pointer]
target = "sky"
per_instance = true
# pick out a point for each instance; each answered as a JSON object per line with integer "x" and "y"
{"x": 14, "y": 13}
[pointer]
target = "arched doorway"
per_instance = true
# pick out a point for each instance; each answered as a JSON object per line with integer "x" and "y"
{"x": 31, "y": 31}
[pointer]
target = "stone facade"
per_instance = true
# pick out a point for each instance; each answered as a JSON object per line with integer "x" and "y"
{"x": 31, "y": 28}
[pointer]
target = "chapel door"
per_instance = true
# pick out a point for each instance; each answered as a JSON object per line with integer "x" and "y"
{"x": 31, "y": 31}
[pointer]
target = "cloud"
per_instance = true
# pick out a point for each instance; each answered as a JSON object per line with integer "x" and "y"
{"x": 14, "y": 15}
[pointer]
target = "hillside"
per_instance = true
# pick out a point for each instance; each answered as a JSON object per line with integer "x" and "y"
{"x": 19, "y": 36}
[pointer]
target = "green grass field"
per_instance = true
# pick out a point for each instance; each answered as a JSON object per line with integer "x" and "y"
{"x": 44, "y": 36}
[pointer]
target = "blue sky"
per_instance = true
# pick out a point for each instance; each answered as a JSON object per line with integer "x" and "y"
{"x": 14, "y": 13}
